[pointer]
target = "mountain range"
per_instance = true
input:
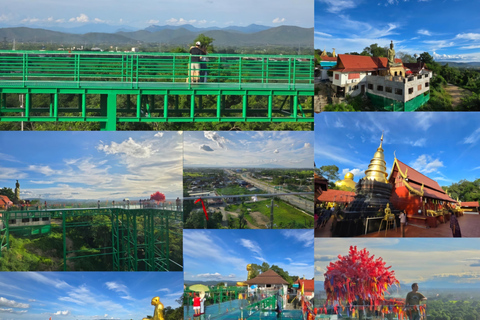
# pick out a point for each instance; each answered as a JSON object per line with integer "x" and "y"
{"x": 253, "y": 35}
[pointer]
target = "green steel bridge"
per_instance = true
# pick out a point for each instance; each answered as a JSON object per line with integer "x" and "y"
{"x": 140, "y": 238}
{"x": 156, "y": 87}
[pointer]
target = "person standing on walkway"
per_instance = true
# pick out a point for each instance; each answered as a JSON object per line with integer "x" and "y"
{"x": 403, "y": 220}
{"x": 196, "y": 52}
{"x": 413, "y": 301}
{"x": 454, "y": 225}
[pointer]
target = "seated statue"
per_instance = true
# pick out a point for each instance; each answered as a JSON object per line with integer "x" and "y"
{"x": 158, "y": 312}
{"x": 391, "y": 57}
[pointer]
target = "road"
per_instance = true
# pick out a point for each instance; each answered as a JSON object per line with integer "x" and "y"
{"x": 293, "y": 200}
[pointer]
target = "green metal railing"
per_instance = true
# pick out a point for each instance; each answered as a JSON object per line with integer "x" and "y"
{"x": 158, "y": 87}
{"x": 133, "y": 70}
{"x": 140, "y": 238}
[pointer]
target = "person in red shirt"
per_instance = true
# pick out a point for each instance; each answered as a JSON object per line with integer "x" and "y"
{"x": 196, "y": 304}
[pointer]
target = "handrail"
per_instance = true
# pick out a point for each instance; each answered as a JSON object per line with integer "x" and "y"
{"x": 129, "y": 68}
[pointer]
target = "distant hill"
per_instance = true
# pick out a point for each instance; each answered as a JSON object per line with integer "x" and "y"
{"x": 210, "y": 283}
{"x": 288, "y": 36}
{"x": 473, "y": 65}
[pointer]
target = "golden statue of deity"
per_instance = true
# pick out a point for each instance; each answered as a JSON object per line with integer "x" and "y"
{"x": 158, "y": 312}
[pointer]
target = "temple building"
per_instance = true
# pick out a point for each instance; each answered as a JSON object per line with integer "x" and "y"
{"x": 270, "y": 280}
{"x": 469, "y": 206}
{"x": 416, "y": 193}
{"x": 326, "y": 63}
{"x": 388, "y": 83}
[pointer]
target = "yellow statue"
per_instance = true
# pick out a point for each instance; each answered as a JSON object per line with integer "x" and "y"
{"x": 249, "y": 269}
{"x": 158, "y": 312}
{"x": 388, "y": 211}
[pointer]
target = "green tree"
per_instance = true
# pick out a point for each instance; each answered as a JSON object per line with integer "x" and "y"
{"x": 330, "y": 172}
{"x": 206, "y": 42}
{"x": 7, "y": 192}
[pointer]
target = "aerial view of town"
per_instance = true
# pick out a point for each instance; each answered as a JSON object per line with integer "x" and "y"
{"x": 255, "y": 180}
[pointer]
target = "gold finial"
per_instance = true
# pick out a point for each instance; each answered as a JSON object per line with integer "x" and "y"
{"x": 381, "y": 140}
{"x": 333, "y": 53}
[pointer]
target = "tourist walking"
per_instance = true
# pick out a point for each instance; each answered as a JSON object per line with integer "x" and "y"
{"x": 454, "y": 225}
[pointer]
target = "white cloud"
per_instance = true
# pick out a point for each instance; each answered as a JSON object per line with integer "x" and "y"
{"x": 159, "y": 134}
{"x": 307, "y": 145}
{"x": 318, "y": 33}
{"x": 214, "y": 136}
{"x": 128, "y": 147}
{"x": 62, "y": 313}
{"x": 356, "y": 172}
{"x": 335, "y": 6}
{"x": 276, "y": 151}
{"x": 304, "y": 237}
{"x": 254, "y": 247}
{"x": 152, "y": 21}
{"x": 4, "y": 302}
{"x": 468, "y": 36}
{"x": 424, "y": 32}
{"x": 81, "y": 18}
{"x": 278, "y": 20}
{"x": 426, "y": 164}
{"x": 472, "y": 138}
{"x": 117, "y": 287}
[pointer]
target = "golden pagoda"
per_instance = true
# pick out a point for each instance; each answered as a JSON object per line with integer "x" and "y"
{"x": 333, "y": 53}
{"x": 347, "y": 183}
{"x": 377, "y": 169}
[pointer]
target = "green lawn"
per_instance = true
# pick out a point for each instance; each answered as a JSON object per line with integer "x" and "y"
{"x": 283, "y": 214}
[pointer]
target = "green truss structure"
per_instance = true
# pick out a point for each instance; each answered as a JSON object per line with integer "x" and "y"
{"x": 153, "y": 84}
{"x": 140, "y": 237}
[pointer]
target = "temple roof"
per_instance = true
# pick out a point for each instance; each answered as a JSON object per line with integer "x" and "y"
{"x": 4, "y": 200}
{"x": 336, "y": 196}
{"x": 268, "y": 277}
{"x": 431, "y": 189}
{"x": 470, "y": 204}
{"x": 309, "y": 285}
{"x": 354, "y": 63}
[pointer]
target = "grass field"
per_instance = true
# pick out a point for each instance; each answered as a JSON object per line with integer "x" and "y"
{"x": 283, "y": 214}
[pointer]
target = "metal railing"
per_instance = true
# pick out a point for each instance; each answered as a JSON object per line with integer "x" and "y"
{"x": 108, "y": 69}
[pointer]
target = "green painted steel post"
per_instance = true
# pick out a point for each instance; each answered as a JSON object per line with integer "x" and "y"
{"x": 83, "y": 102}
{"x": 244, "y": 107}
{"x": 111, "y": 113}
{"x": 51, "y": 106}
{"x": 219, "y": 107}
{"x": 240, "y": 73}
{"x": 295, "y": 106}
{"x": 165, "y": 106}
{"x": 294, "y": 73}
{"x": 55, "y": 105}
{"x": 139, "y": 106}
{"x": 270, "y": 103}
{"x": 192, "y": 106}
{"x": 28, "y": 101}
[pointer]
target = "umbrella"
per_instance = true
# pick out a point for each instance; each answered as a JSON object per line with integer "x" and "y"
{"x": 199, "y": 288}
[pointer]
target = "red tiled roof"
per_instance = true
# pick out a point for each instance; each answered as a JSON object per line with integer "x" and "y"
{"x": 431, "y": 188}
{"x": 268, "y": 277}
{"x": 473, "y": 204}
{"x": 309, "y": 285}
{"x": 351, "y": 63}
{"x": 5, "y": 200}
{"x": 336, "y": 196}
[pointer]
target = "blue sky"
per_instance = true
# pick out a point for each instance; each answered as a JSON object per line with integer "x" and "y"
{"x": 92, "y": 165}
{"x": 448, "y": 29}
{"x": 434, "y": 263}
{"x": 141, "y": 14}
{"x": 288, "y": 149}
{"x": 86, "y": 295}
{"x": 443, "y": 146}
{"x": 224, "y": 254}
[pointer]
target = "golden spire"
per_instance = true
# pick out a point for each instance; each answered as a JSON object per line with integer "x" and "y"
{"x": 377, "y": 169}
{"x": 333, "y": 53}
